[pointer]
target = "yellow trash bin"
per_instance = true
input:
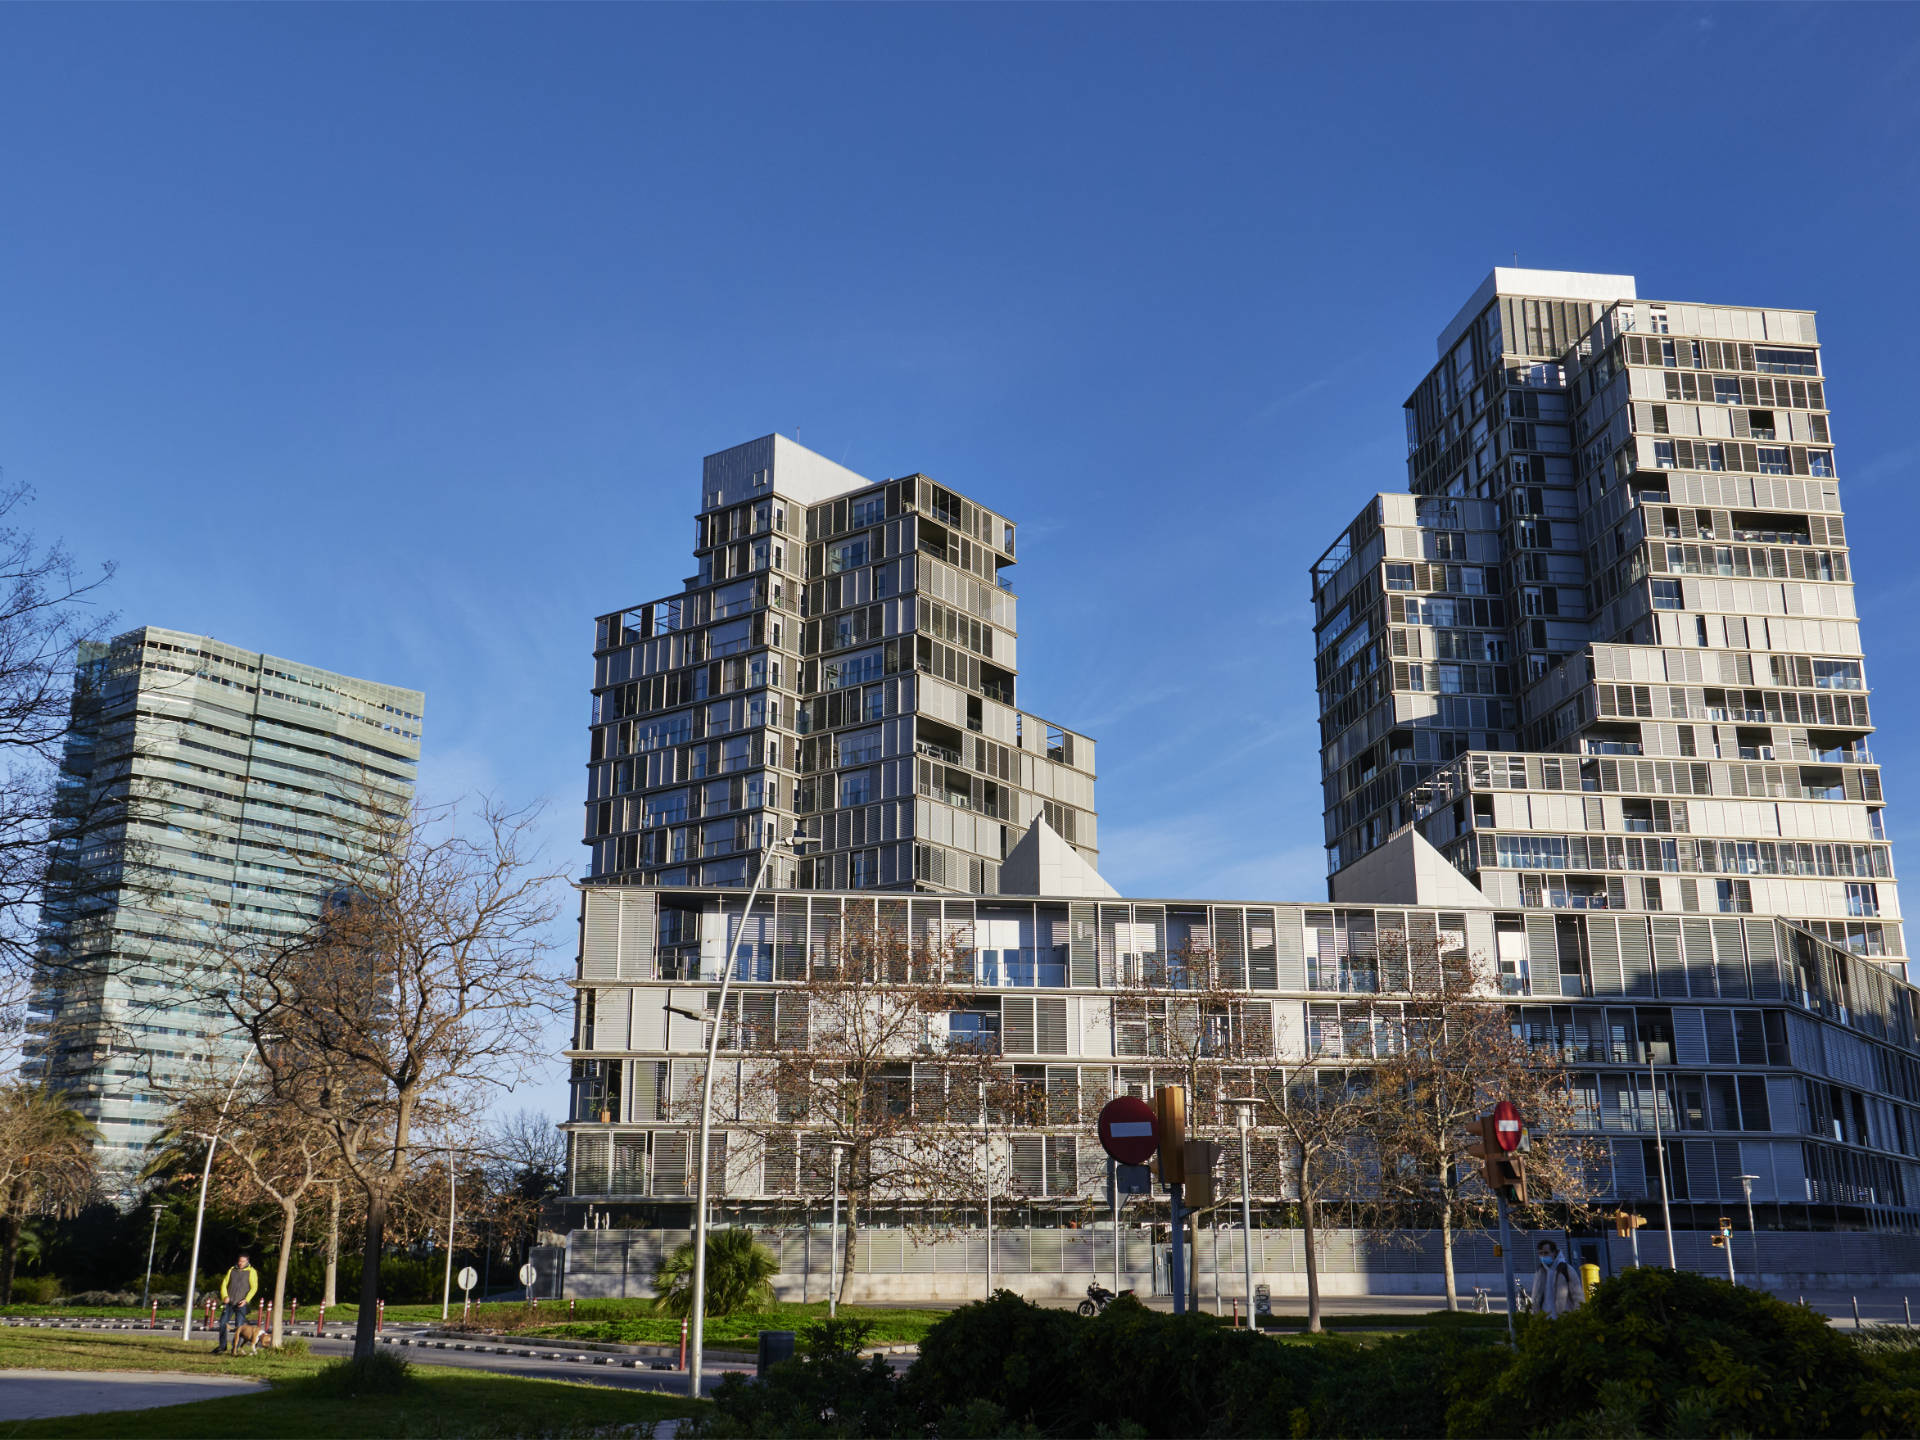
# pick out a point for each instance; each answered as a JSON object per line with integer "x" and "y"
{"x": 1589, "y": 1276}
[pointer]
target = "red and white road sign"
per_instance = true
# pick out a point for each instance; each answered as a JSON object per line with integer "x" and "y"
{"x": 1506, "y": 1125}
{"x": 1129, "y": 1130}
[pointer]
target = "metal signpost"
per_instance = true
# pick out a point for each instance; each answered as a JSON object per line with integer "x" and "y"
{"x": 1243, "y": 1108}
{"x": 528, "y": 1274}
{"x": 1172, "y": 1131}
{"x": 468, "y": 1278}
{"x": 1130, "y": 1134}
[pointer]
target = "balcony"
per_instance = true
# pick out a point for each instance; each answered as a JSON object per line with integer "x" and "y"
{"x": 936, "y": 752}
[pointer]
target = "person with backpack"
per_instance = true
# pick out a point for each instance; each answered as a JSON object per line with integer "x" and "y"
{"x": 237, "y": 1289}
{"x": 1556, "y": 1288}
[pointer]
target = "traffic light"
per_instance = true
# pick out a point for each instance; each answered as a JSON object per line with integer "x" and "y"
{"x": 1200, "y": 1158}
{"x": 1625, "y": 1222}
{"x": 1719, "y": 1240}
{"x": 1499, "y": 1169}
{"x": 1171, "y": 1102}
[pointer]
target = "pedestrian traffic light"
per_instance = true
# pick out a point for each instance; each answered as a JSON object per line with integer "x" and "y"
{"x": 1483, "y": 1147}
{"x": 1719, "y": 1240}
{"x": 1171, "y": 1102}
{"x": 1200, "y": 1158}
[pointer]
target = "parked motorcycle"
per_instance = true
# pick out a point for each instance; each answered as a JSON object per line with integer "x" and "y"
{"x": 1098, "y": 1298}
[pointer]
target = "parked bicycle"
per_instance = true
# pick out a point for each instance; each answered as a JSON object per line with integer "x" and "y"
{"x": 1098, "y": 1298}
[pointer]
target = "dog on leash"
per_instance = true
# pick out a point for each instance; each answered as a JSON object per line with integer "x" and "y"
{"x": 249, "y": 1338}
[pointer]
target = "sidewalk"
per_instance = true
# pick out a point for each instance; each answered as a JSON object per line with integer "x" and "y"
{"x": 40, "y": 1394}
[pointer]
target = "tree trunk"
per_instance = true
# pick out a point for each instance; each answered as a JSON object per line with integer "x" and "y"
{"x": 333, "y": 1248}
{"x": 1310, "y": 1239}
{"x": 291, "y": 1210}
{"x": 363, "y": 1331}
{"x": 850, "y": 1251}
{"x": 1446, "y": 1250}
{"x": 12, "y": 1248}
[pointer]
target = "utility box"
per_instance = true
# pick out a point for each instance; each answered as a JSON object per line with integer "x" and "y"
{"x": 1263, "y": 1300}
{"x": 775, "y": 1346}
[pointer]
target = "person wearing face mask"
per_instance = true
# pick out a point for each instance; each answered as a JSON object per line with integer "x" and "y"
{"x": 1556, "y": 1288}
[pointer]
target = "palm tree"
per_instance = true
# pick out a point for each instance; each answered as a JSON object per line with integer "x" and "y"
{"x": 47, "y": 1164}
{"x": 739, "y": 1275}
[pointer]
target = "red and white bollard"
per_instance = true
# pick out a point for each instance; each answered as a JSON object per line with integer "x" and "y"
{"x": 293, "y": 1313}
{"x": 683, "y": 1344}
{"x": 380, "y": 1316}
{"x": 153, "y": 1316}
{"x": 320, "y": 1323}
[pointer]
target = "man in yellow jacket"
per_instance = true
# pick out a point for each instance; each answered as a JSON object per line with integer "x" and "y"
{"x": 237, "y": 1289}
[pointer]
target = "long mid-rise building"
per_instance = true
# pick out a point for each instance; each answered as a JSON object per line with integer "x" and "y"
{"x": 843, "y": 659}
{"x": 225, "y": 779}
{"x": 1604, "y": 652}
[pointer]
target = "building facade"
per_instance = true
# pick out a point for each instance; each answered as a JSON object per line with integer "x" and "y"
{"x": 1756, "y": 1048}
{"x": 231, "y": 776}
{"x": 844, "y": 659}
{"x": 1604, "y": 652}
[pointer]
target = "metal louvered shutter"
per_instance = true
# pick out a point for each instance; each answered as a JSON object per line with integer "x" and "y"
{"x": 1669, "y": 977}
{"x": 790, "y": 939}
{"x": 1016, "y": 1024}
{"x": 779, "y": 1159}
{"x": 1261, "y": 974}
{"x": 1083, "y": 955}
{"x": 629, "y": 1165}
{"x": 669, "y": 1162}
{"x": 791, "y": 1027}
{"x": 1543, "y": 956}
{"x": 638, "y": 918}
{"x": 599, "y": 935}
{"x": 1603, "y": 950}
{"x": 590, "y": 1154}
{"x": 1697, "y": 937}
{"x": 610, "y": 1011}
{"x": 1290, "y": 959}
{"x": 1729, "y": 960}
{"x": 649, "y": 1084}
{"x": 1636, "y": 963}
{"x": 1720, "y": 1046}
{"x": 1062, "y": 1165}
{"x": 1027, "y": 1165}
{"x": 1689, "y": 1037}
{"x": 1230, "y": 945}
{"x": 1050, "y": 1025}
{"x": 1763, "y": 959}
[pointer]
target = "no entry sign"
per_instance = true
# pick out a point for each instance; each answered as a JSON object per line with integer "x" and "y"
{"x": 1506, "y": 1125}
{"x": 1129, "y": 1130}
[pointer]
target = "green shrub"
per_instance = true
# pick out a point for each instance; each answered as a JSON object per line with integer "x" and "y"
{"x": 381, "y": 1373}
{"x": 740, "y": 1275}
{"x": 35, "y": 1289}
{"x": 827, "y": 1391}
{"x": 1663, "y": 1352}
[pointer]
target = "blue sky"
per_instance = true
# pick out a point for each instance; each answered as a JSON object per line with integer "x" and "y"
{"x": 390, "y": 338}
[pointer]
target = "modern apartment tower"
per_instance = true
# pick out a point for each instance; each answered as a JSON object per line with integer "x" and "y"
{"x": 843, "y": 659}
{"x": 1604, "y": 654}
{"x": 222, "y": 776}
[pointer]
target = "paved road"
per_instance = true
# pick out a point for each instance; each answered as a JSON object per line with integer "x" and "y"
{"x": 37, "y": 1394}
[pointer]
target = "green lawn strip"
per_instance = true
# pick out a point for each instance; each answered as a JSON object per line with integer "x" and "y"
{"x": 890, "y": 1327}
{"x": 446, "y": 1402}
{"x": 442, "y": 1403}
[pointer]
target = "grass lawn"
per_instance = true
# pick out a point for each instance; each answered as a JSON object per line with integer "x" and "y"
{"x": 635, "y": 1323}
{"x": 443, "y": 1402}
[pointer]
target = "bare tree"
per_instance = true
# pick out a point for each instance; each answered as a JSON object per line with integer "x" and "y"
{"x": 524, "y": 1164}
{"x": 46, "y": 1164}
{"x": 1456, "y": 1052}
{"x": 1322, "y": 1113}
{"x": 424, "y": 981}
{"x": 859, "y": 1056}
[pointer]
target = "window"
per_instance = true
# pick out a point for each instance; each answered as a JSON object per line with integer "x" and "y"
{"x": 859, "y": 747}
{"x": 1877, "y": 824}
{"x": 1657, "y": 321}
{"x": 974, "y": 1029}
{"x": 1820, "y": 462}
{"x": 1726, "y": 390}
{"x": 847, "y": 555}
{"x": 1760, "y": 422}
{"x": 856, "y": 788}
{"x": 1660, "y": 420}
{"x": 1399, "y": 577}
{"x": 868, "y": 510}
{"x": 1776, "y": 360}
{"x": 1666, "y": 595}
{"x": 1837, "y": 675}
{"x": 1736, "y": 897}
{"x": 1773, "y": 460}
{"x": 1863, "y": 900}
{"x": 851, "y": 670}
{"x": 866, "y": 868}
{"x": 1663, "y": 454}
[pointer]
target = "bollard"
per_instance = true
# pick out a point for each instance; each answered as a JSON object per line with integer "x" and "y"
{"x": 380, "y": 1317}
{"x": 1856, "y": 1312}
{"x": 683, "y": 1344}
{"x": 320, "y": 1323}
{"x": 293, "y": 1313}
{"x": 153, "y": 1316}
{"x": 569, "y": 1307}
{"x": 1236, "y": 1314}
{"x": 1907, "y": 1300}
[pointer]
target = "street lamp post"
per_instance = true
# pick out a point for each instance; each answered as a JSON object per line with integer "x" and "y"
{"x": 986, "y": 1153}
{"x": 1746, "y": 1188}
{"x": 206, "y": 1177}
{"x": 446, "y": 1286}
{"x": 696, "y": 1350}
{"x": 839, "y": 1148}
{"x": 1243, "y": 1108}
{"x": 1660, "y": 1154}
{"x": 146, "y": 1290}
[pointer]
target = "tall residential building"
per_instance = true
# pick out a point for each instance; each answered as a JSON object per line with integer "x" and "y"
{"x": 844, "y": 658}
{"x": 1605, "y": 653}
{"x": 244, "y": 771}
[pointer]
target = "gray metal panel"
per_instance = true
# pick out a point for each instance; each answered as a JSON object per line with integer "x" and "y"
{"x": 1763, "y": 959}
{"x": 638, "y": 918}
{"x": 1082, "y": 948}
{"x": 1543, "y": 955}
{"x": 599, "y": 935}
{"x": 1261, "y": 972}
{"x": 1669, "y": 976}
{"x": 1636, "y": 962}
{"x": 1697, "y": 938}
